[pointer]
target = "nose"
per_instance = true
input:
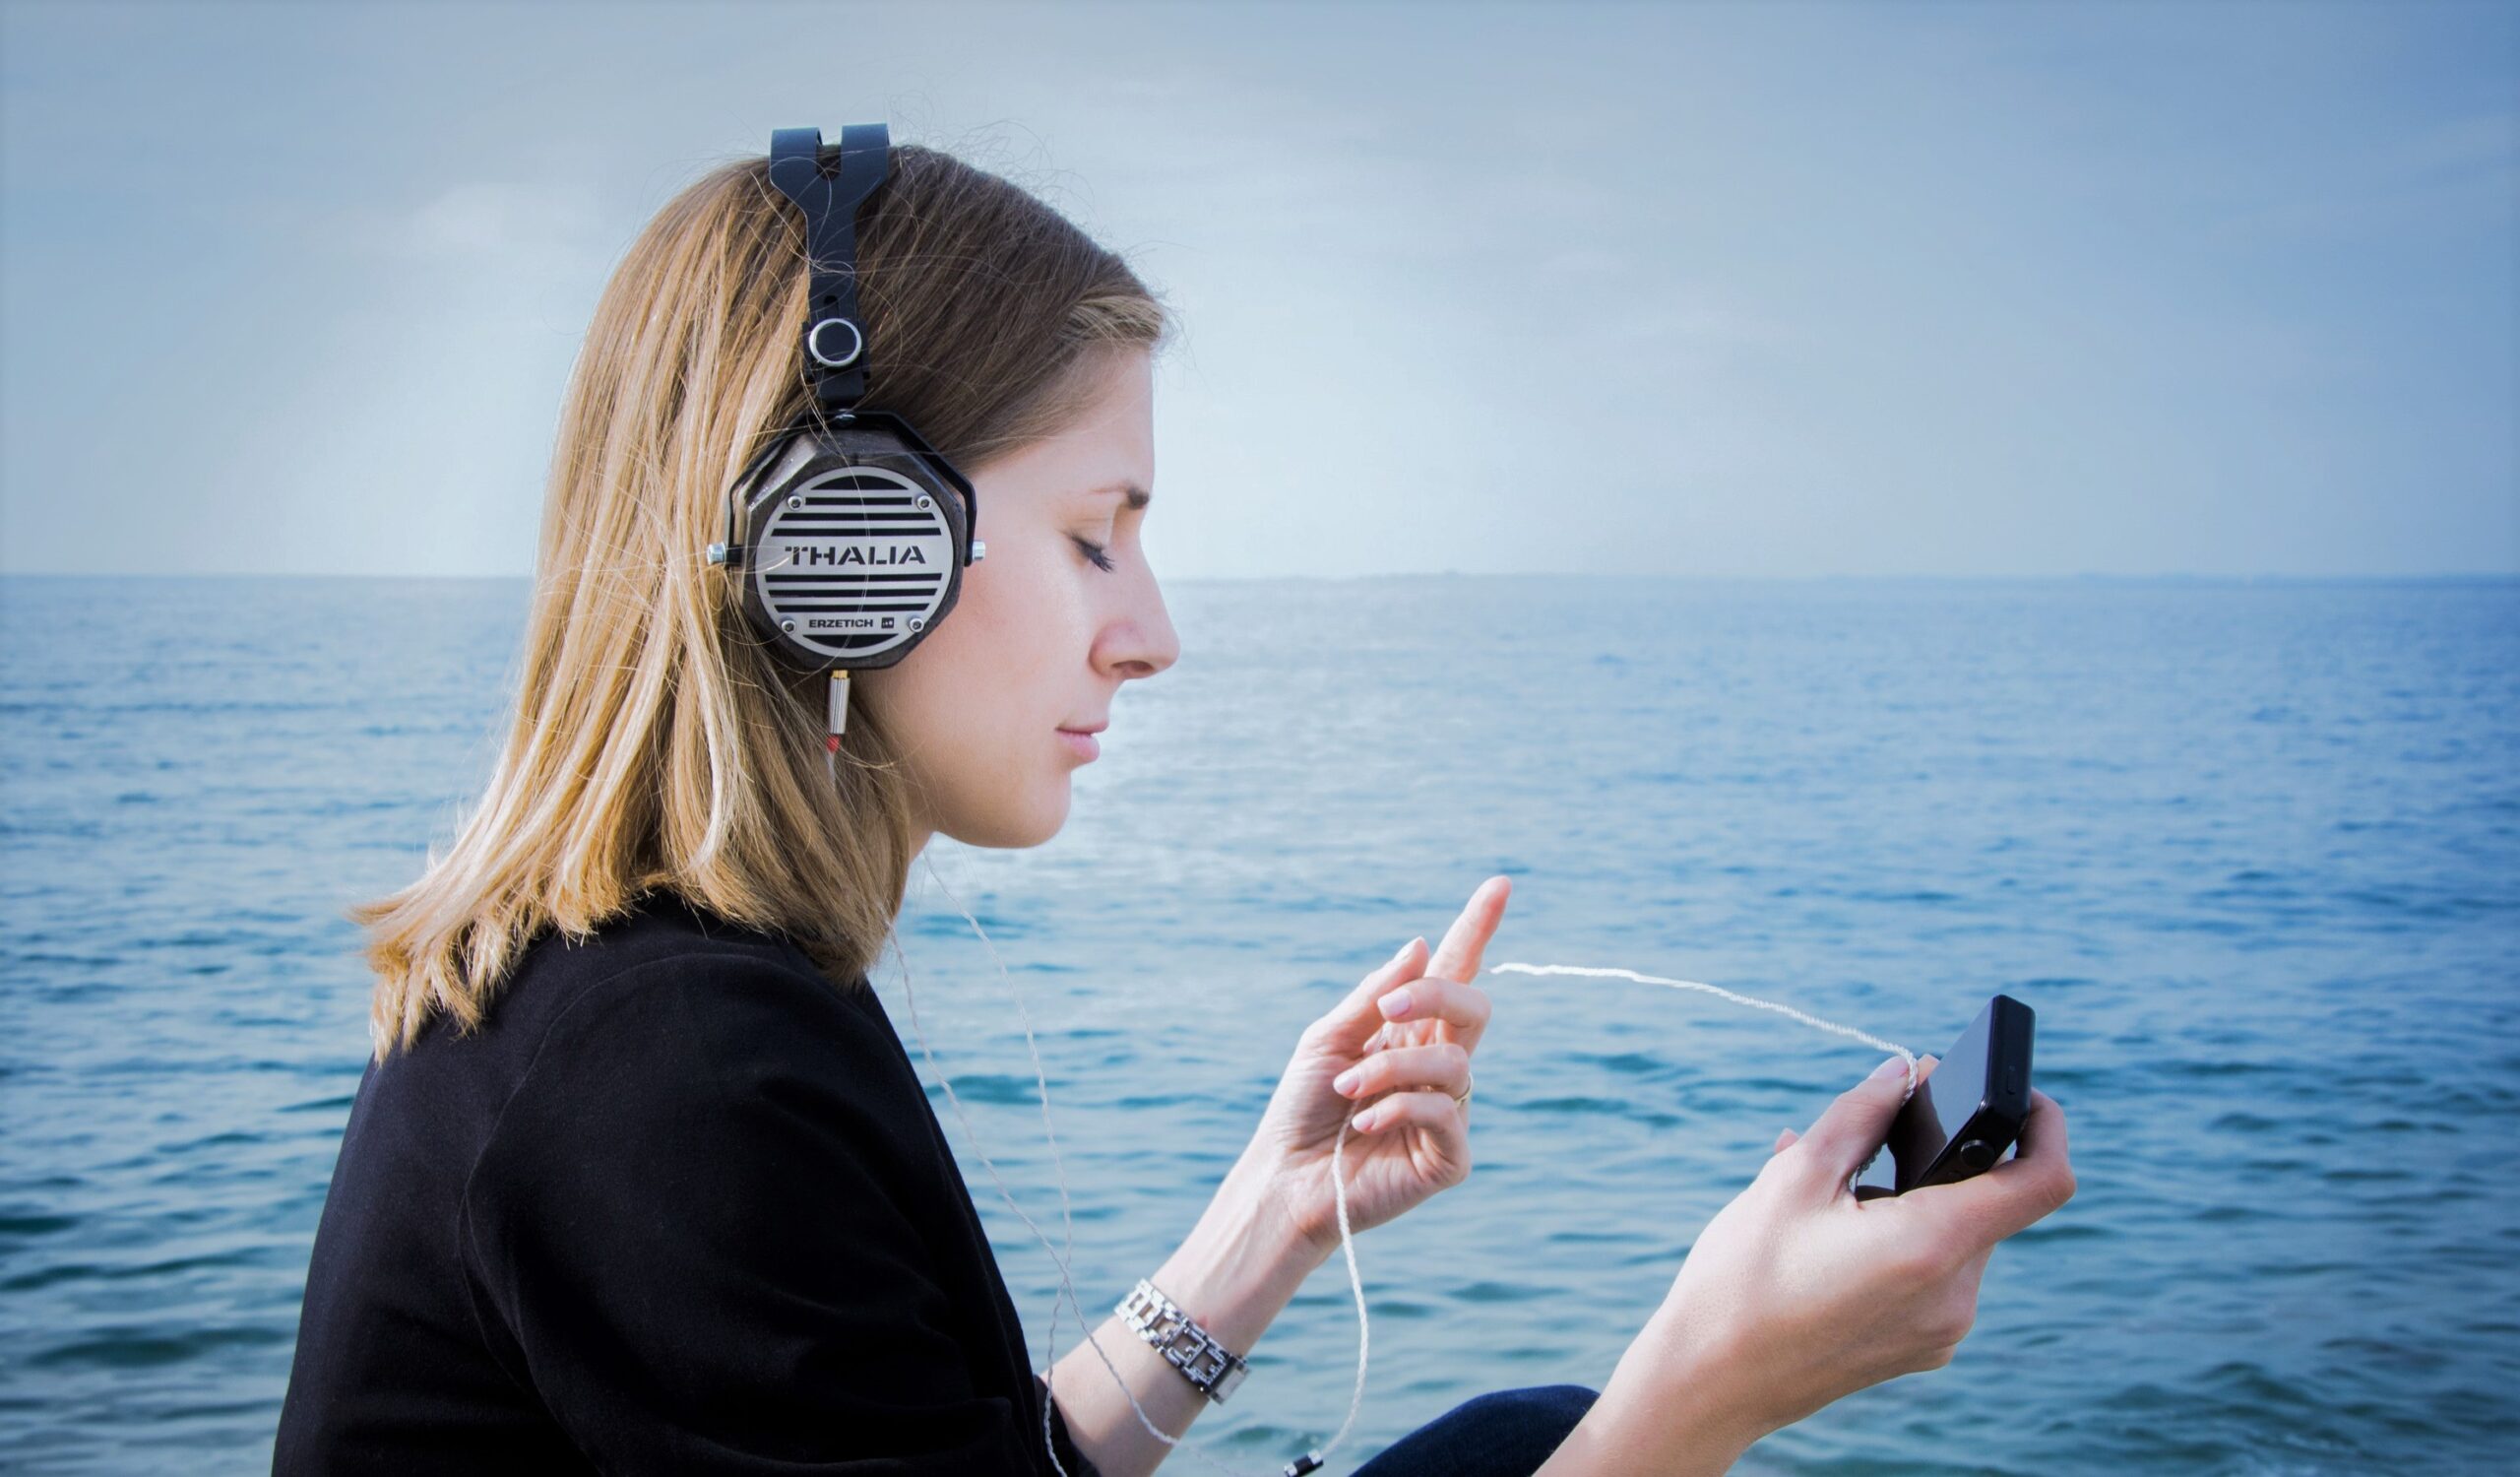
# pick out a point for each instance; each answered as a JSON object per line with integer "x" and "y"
{"x": 1140, "y": 641}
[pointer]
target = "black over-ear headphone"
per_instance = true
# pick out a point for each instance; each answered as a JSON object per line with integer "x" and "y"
{"x": 848, "y": 533}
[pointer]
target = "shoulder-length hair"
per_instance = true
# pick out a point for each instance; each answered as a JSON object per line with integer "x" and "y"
{"x": 655, "y": 743}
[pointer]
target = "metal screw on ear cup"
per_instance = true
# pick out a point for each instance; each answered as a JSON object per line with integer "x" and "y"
{"x": 918, "y": 624}
{"x": 788, "y": 626}
{"x": 924, "y": 503}
{"x": 717, "y": 554}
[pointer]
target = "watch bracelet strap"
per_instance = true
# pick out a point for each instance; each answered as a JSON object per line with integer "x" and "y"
{"x": 1211, "y": 1368}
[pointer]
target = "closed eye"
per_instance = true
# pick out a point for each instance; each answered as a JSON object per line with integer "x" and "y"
{"x": 1101, "y": 556}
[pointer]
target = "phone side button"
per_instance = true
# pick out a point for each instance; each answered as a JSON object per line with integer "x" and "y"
{"x": 1978, "y": 1154}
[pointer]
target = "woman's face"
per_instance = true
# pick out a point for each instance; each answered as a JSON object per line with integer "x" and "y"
{"x": 988, "y": 707}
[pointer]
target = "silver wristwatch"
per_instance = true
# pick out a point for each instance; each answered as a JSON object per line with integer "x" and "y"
{"x": 1208, "y": 1364}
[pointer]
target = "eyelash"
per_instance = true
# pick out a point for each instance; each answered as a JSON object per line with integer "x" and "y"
{"x": 1097, "y": 552}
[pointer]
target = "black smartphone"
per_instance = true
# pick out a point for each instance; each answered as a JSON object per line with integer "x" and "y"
{"x": 1966, "y": 1115}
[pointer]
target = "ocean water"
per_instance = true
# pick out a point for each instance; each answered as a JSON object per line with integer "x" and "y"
{"x": 2250, "y": 851}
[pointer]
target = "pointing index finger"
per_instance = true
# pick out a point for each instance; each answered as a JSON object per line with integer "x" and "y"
{"x": 1458, "y": 956}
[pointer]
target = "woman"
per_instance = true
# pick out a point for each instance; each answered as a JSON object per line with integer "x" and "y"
{"x": 640, "y": 1177}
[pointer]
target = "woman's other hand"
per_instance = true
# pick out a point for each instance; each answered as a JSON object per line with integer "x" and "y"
{"x": 1403, "y": 1063}
{"x": 1796, "y": 1292}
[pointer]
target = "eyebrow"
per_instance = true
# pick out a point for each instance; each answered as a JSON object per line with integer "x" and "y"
{"x": 1137, "y": 497}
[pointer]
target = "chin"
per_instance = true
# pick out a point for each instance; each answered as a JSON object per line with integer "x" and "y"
{"x": 1021, "y": 822}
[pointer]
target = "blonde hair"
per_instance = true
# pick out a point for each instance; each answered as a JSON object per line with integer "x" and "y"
{"x": 655, "y": 743}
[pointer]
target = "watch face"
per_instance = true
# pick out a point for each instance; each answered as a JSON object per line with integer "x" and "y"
{"x": 1226, "y": 1383}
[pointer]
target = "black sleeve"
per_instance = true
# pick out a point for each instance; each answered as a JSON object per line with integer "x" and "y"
{"x": 689, "y": 1229}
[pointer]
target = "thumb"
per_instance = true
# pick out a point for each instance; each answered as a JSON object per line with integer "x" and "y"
{"x": 1843, "y": 1138}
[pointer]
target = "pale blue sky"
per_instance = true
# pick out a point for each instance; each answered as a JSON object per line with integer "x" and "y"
{"x": 1696, "y": 289}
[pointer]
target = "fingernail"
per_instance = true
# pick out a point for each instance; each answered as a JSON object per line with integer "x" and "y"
{"x": 1345, "y": 1081}
{"x": 1404, "y": 951}
{"x": 1896, "y": 1067}
{"x": 1395, "y": 1004}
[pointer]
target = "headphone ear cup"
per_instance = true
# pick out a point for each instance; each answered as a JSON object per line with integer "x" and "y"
{"x": 854, "y": 549}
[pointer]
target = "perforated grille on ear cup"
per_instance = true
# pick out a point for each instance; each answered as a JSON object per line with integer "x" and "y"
{"x": 855, "y": 562}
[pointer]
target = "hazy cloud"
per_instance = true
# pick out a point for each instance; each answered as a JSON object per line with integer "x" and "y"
{"x": 1735, "y": 290}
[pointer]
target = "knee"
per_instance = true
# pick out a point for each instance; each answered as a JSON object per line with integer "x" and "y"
{"x": 1505, "y": 1433}
{"x": 1560, "y": 1405}
{"x": 1569, "y": 1401}
{"x": 1553, "y": 1396}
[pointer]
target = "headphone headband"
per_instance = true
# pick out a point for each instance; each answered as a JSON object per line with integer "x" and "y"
{"x": 847, "y": 534}
{"x": 835, "y": 334}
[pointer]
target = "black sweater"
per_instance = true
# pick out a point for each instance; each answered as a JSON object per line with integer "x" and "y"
{"x": 680, "y": 1204}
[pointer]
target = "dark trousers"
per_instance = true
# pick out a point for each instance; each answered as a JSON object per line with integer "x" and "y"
{"x": 1505, "y": 1433}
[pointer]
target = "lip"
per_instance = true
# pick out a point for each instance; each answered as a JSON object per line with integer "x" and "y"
{"x": 1082, "y": 742}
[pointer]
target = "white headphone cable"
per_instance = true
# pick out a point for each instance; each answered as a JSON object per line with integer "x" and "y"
{"x": 1337, "y": 1176}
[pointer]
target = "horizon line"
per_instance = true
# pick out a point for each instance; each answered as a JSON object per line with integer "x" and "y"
{"x": 2452, "y": 576}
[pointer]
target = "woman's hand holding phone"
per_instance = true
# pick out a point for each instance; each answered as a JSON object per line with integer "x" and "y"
{"x": 1796, "y": 1292}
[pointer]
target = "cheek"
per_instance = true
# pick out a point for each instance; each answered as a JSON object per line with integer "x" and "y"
{"x": 983, "y": 679}
{"x": 1000, "y": 634}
